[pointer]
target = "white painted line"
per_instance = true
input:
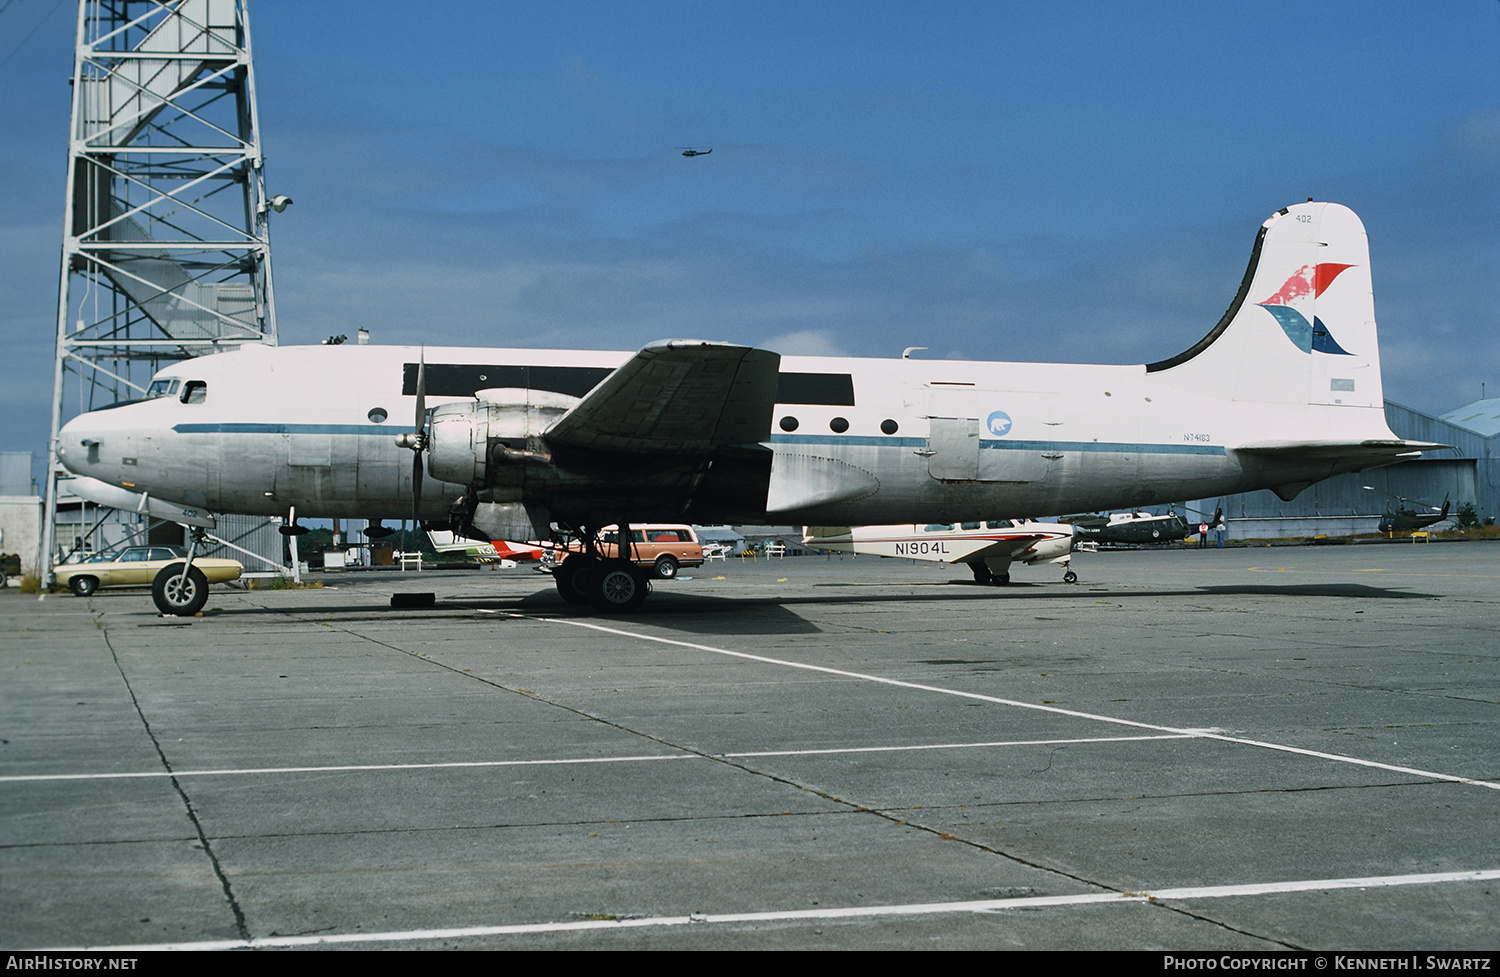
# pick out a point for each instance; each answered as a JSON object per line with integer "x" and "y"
{"x": 960, "y": 746}
{"x": 847, "y": 912}
{"x": 882, "y": 680}
{"x": 231, "y": 771}
{"x": 350, "y": 767}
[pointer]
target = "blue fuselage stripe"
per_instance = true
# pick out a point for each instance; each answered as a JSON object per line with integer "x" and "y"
{"x": 243, "y": 428}
{"x": 823, "y": 440}
{"x": 1092, "y": 446}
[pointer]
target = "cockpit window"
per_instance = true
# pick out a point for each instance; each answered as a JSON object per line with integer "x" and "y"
{"x": 162, "y": 388}
{"x": 195, "y": 392}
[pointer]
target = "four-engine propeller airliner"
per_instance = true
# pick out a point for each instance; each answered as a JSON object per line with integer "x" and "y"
{"x": 1284, "y": 391}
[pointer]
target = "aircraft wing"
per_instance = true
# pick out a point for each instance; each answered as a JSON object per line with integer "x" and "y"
{"x": 1013, "y": 546}
{"x": 677, "y": 397}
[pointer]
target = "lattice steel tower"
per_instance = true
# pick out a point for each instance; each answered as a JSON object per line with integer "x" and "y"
{"x": 166, "y": 252}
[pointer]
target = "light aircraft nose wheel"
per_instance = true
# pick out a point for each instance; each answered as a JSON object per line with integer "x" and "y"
{"x": 1070, "y": 577}
{"x": 179, "y": 594}
{"x": 617, "y": 587}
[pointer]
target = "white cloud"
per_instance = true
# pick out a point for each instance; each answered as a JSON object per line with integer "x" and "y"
{"x": 807, "y": 342}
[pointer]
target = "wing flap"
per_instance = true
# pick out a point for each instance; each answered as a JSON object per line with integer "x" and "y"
{"x": 678, "y": 398}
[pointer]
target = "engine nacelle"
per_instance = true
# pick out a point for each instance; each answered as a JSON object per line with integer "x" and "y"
{"x": 488, "y": 444}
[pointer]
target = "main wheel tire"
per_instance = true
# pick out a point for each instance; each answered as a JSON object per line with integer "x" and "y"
{"x": 1070, "y": 577}
{"x": 177, "y": 593}
{"x": 617, "y": 587}
{"x": 982, "y": 573}
{"x": 83, "y": 586}
{"x": 666, "y": 566}
{"x": 1003, "y": 579}
{"x": 571, "y": 577}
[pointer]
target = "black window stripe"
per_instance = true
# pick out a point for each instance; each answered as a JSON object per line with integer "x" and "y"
{"x": 463, "y": 379}
{"x": 828, "y": 389}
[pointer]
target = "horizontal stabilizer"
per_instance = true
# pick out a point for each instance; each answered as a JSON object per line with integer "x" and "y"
{"x": 678, "y": 398}
{"x": 1350, "y": 455}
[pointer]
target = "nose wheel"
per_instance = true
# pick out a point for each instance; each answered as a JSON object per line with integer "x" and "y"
{"x": 180, "y": 590}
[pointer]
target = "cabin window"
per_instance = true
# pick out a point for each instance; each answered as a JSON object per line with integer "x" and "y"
{"x": 789, "y": 424}
{"x": 998, "y": 524}
{"x": 937, "y": 527}
{"x": 377, "y": 415}
{"x": 838, "y": 425}
{"x": 971, "y": 525}
{"x": 889, "y": 426}
{"x": 195, "y": 392}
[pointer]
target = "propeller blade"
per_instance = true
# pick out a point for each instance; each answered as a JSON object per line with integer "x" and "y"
{"x": 416, "y": 486}
{"x": 421, "y": 422}
{"x": 421, "y": 429}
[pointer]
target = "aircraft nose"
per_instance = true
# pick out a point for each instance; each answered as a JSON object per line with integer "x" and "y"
{"x": 79, "y": 444}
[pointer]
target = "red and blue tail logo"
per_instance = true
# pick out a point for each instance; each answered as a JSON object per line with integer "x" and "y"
{"x": 1307, "y": 282}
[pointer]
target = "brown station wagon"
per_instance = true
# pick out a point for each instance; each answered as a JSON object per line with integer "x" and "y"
{"x": 664, "y": 547}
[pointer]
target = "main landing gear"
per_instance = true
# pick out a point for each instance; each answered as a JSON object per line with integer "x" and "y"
{"x": 983, "y": 574}
{"x": 612, "y": 585}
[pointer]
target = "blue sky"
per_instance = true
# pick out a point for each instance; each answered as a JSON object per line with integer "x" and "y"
{"x": 1031, "y": 181}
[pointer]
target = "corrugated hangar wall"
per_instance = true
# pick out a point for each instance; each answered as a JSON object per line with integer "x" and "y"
{"x": 1342, "y": 506}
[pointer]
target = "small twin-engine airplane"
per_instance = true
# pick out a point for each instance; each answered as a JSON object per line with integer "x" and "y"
{"x": 1284, "y": 391}
{"x": 988, "y": 548}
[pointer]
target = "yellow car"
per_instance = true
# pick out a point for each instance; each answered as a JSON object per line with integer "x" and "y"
{"x": 138, "y": 567}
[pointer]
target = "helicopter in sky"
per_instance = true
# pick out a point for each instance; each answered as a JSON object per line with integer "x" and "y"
{"x": 695, "y": 152}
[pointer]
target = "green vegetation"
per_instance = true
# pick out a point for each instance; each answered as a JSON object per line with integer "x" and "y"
{"x": 282, "y": 583}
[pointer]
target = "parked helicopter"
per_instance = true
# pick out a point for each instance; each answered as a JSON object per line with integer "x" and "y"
{"x": 1407, "y": 519}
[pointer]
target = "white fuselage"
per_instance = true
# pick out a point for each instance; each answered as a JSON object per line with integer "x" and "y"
{"x": 867, "y": 440}
{"x": 997, "y": 543}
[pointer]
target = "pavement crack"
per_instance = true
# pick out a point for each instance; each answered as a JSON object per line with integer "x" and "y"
{"x": 187, "y": 802}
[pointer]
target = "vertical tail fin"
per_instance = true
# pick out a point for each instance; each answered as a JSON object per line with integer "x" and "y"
{"x": 1302, "y": 327}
